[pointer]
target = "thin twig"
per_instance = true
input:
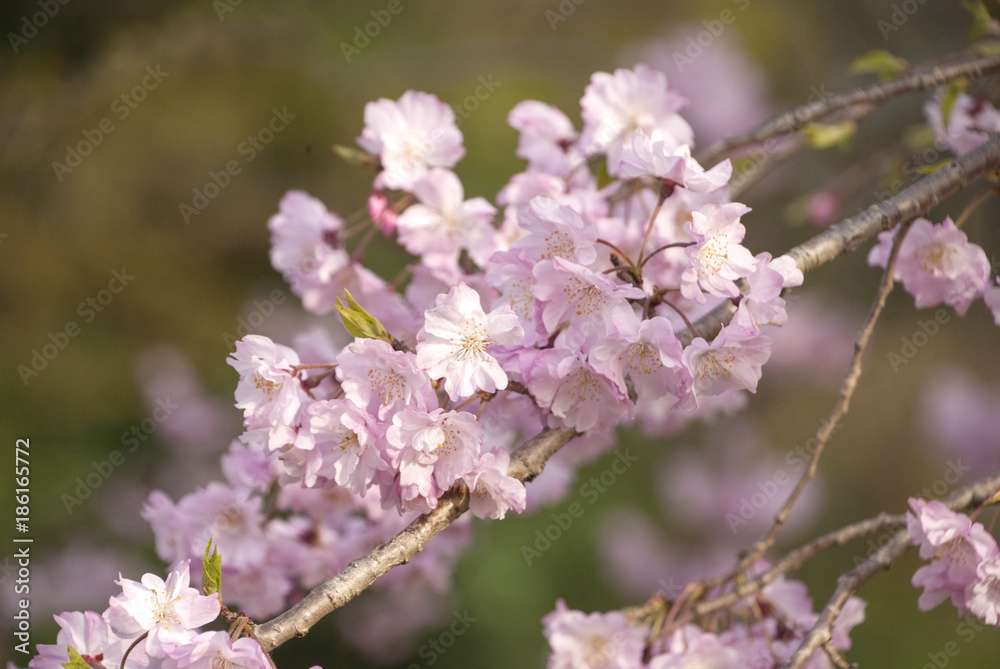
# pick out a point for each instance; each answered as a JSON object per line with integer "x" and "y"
{"x": 840, "y": 410}
{"x": 795, "y": 119}
{"x": 849, "y": 582}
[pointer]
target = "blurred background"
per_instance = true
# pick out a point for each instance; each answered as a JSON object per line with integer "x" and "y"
{"x": 115, "y": 116}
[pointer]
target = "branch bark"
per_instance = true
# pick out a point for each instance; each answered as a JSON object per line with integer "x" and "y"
{"x": 527, "y": 462}
{"x": 875, "y": 94}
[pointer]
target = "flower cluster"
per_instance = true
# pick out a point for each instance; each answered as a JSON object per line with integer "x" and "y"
{"x": 964, "y": 561}
{"x": 558, "y": 306}
{"x": 782, "y": 614}
{"x": 167, "y": 614}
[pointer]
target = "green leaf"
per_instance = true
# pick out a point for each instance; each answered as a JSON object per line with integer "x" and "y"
{"x": 211, "y": 571}
{"x": 880, "y": 62}
{"x": 948, "y": 101}
{"x": 825, "y": 135}
{"x": 354, "y": 156}
{"x": 75, "y": 661}
{"x": 359, "y": 322}
{"x": 983, "y": 25}
{"x": 931, "y": 169}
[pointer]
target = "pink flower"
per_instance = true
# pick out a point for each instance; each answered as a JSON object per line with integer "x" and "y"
{"x": 936, "y": 264}
{"x": 491, "y": 491}
{"x": 546, "y": 137}
{"x": 444, "y": 222}
{"x": 647, "y": 352}
{"x": 512, "y": 276}
{"x": 454, "y": 340}
{"x": 615, "y": 105}
{"x": 431, "y": 450}
{"x": 604, "y": 640}
{"x": 381, "y": 380}
{"x": 969, "y": 119}
{"x": 691, "y": 646}
{"x": 991, "y": 296}
{"x": 214, "y": 650}
{"x": 381, "y": 212}
{"x": 562, "y": 382}
{"x": 983, "y": 596}
{"x": 409, "y": 136}
{"x": 268, "y": 391}
{"x": 89, "y": 634}
{"x": 590, "y": 301}
{"x": 732, "y": 360}
{"x": 762, "y": 305}
{"x": 346, "y": 443}
{"x": 717, "y": 257}
{"x": 652, "y": 155}
{"x": 554, "y": 230}
{"x": 168, "y": 611}
{"x": 956, "y": 547}
{"x": 305, "y": 241}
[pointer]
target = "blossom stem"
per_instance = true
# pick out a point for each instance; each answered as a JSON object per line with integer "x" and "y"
{"x": 974, "y": 203}
{"x": 134, "y": 644}
{"x": 664, "y": 248}
{"x": 665, "y": 192}
{"x": 617, "y": 250}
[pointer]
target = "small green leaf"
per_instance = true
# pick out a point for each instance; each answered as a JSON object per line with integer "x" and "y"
{"x": 75, "y": 661}
{"x": 354, "y": 156}
{"x": 948, "y": 101}
{"x": 931, "y": 169}
{"x": 211, "y": 571}
{"x": 825, "y": 135}
{"x": 359, "y": 322}
{"x": 983, "y": 25}
{"x": 987, "y": 49}
{"x": 880, "y": 62}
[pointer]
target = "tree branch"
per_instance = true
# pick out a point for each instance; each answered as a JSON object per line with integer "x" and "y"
{"x": 875, "y": 94}
{"x": 849, "y": 582}
{"x": 527, "y": 462}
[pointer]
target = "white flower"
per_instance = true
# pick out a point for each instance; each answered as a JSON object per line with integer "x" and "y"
{"x": 454, "y": 340}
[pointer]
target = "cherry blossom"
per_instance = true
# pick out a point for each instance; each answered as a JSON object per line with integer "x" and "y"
{"x": 268, "y": 391}
{"x": 546, "y": 137}
{"x": 969, "y": 121}
{"x": 936, "y": 264}
{"x": 409, "y": 136}
{"x": 732, "y": 360}
{"x": 581, "y": 398}
{"x": 717, "y": 257}
{"x": 491, "y": 491}
{"x": 615, "y": 105}
{"x": 455, "y": 339}
{"x": 212, "y": 650}
{"x": 380, "y": 380}
{"x": 444, "y": 222}
{"x": 652, "y": 155}
{"x": 956, "y": 547}
{"x": 592, "y": 640}
{"x": 168, "y": 611}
